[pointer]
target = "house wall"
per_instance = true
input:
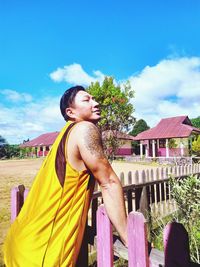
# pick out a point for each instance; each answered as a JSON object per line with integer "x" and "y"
{"x": 173, "y": 152}
{"x": 37, "y": 151}
{"x": 176, "y": 151}
{"x": 125, "y": 149}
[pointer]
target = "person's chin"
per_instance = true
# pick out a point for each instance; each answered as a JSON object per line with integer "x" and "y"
{"x": 96, "y": 119}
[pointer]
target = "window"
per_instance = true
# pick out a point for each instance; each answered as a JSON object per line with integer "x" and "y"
{"x": 162, "y": 143}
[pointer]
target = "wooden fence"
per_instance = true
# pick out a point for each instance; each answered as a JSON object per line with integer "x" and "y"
{"x": 148, "y": 192}
{"x": 176, "y": 244}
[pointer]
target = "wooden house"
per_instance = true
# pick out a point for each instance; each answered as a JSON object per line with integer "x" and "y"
{"x": 171, "y": 137}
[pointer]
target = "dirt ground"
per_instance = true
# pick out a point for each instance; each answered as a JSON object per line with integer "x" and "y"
{"x": 16, "y": 172}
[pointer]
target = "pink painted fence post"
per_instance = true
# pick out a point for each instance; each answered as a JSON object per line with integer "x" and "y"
{"x": 14, "y": 203}
{"x": 104, "y": 239}
{"x": 176, "y": 245}
{"x": 18, "y": 196}
{"x": 137, "y": 241}
{"x": 26, "y": 194}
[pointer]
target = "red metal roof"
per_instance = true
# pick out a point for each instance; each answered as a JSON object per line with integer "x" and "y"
{"x": 42, "y": 140}
{"x": 49, "y": 138}
{"x": 174, "y": 127}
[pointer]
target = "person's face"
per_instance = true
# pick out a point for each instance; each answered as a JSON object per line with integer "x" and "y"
{"x": 84, "y": 108}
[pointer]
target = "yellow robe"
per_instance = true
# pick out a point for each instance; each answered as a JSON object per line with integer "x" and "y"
{"x": 49, "y": 228}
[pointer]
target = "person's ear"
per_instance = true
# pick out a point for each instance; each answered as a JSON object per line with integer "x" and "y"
{"x": 70, "y": 113}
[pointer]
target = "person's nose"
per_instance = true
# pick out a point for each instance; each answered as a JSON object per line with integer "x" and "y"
{"x": 95, "y": 103}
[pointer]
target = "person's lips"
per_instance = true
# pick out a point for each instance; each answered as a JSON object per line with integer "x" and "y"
{"x": 96, "y": 111}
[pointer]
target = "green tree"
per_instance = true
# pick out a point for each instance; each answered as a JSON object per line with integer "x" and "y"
{"x": 9, "y": 151}
{"x": 116, "y": 110}
{"x": 172, "y": 143}
{"x": 196, "y": 146}
{"x": 3, "y": 144}
{"x": 196, "y": 122}
{"x": 2, "y": 141}
{"x": 140, "y": 126}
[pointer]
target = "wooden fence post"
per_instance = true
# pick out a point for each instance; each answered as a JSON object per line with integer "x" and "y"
{"x": 129, "y": 193}
{"x": 137, "y": 241}
{"x": 26, "y": 193}
{"x": 83, "y": 253}
{"x": 129, "y": 177}
{"x": 130, "y": 200}
{"x": 136, "y": 180}
{"x": 104, "y": 239}
{"x": 176, "y": 245}
{"x": 122, "y": 178}
{"x": 94, "y": 217}
{"x": 14, "y": 203}
{"x": 18, "y": 195}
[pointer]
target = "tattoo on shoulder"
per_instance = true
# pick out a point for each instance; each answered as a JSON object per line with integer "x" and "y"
{"x": 93, "y": 141}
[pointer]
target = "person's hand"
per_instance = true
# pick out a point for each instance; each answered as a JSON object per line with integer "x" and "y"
{"x": 124, "y": 240}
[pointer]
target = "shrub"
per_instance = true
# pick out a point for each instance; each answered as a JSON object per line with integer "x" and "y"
{"x": 186, "y": 193}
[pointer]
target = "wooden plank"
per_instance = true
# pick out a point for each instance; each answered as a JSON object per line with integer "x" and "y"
{"x": 83, "y": 254}
{"x": 144, "y": 205}
{"x": 94, "y": 210}
{"x": 129, "y": 200}
{"x": 157, "y": 258}
{"x": 21, "y": 189}
{"x": 26, "y": 194}
{"x": 130, "y": 177}
{"x": 137, "y": 241}
{"x": 176, "y": 245}
{"x": 122, "y": 178}
{"x": 14, "y": 203}
{"x": 104, "y": 239}
{"x": 138, "y": 193}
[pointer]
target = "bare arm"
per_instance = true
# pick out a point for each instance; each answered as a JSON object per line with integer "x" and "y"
{"x": 91, "y": 151}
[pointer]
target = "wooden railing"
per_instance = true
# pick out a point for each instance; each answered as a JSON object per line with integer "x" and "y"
{"x": 176, "y": 244}
{"x": 148, "y": 192}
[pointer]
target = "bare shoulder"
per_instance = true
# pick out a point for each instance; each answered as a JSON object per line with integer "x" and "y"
{"x": 85, "y": 127}
{"x": 89, "y": 138}
{"x": 85, "y": 124}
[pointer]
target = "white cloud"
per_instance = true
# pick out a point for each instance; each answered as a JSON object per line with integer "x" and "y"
{"x": 74, "y": 74}
{"x": 15, "y": 96}
{"x": 170, "y": 88}
{"x": 30, "y": 120}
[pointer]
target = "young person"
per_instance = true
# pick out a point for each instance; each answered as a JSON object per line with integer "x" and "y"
{"x": 49, "y": 229}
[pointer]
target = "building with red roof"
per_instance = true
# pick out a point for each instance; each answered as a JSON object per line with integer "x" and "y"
{"x": 40, "y": 146}
{"x": 169, "y": 138}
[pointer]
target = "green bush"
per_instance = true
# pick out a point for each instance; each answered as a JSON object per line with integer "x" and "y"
{"x": 186, "y": 193}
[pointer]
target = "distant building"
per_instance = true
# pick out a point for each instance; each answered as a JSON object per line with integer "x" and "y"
{"x": 40, "y": 146}
{"x": 125, "y": 149}
{"x": 171, "y": 137}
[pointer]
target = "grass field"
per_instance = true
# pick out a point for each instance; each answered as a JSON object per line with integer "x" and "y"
{"x": 16, "y": 172}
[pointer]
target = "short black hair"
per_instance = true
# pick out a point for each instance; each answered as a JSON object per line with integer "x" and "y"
{"x": 68, "y": 98}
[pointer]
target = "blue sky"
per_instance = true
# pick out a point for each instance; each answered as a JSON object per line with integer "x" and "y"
{"x": 47, "y": 46}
